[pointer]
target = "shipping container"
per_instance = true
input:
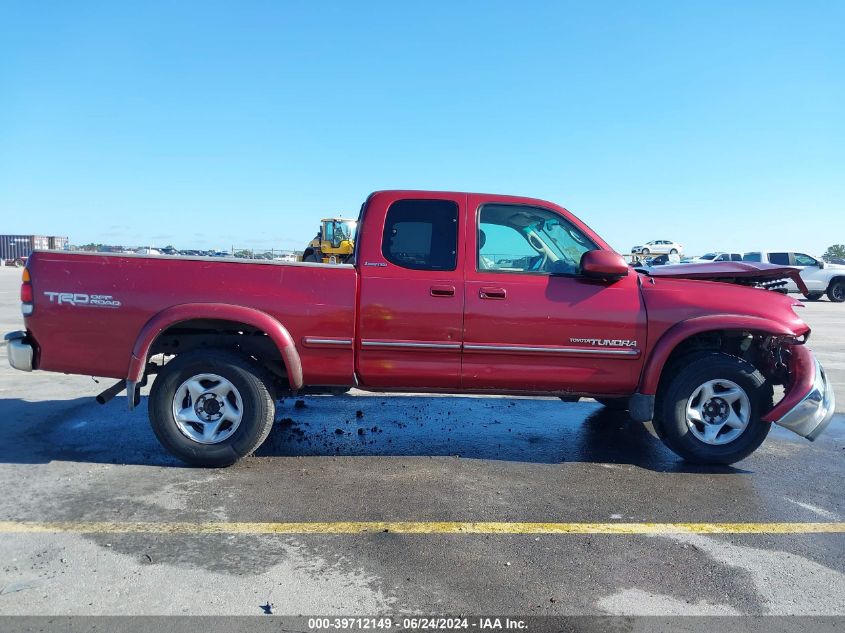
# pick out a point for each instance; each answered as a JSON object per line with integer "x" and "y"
{"x": 18, "y": 246}
{"x": 58, "y": 243}
{"x": 15, "y": 246}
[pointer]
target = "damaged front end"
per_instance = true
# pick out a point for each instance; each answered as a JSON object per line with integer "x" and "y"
{"x": 808, "y": 403}
{"x": 767, "y": 276}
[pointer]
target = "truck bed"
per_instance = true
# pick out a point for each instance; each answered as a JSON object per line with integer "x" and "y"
{"x": 97, "y": 304}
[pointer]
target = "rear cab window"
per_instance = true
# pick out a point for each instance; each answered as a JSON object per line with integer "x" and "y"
{"x": 421, "y": 234}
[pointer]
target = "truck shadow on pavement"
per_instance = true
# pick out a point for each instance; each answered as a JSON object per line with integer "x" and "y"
{"x": 542, "y": 431}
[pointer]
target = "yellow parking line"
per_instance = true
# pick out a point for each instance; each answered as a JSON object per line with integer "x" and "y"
{"x": 412, "y": 527}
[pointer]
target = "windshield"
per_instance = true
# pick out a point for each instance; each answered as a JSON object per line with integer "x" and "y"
{"x": 347, "y": 229}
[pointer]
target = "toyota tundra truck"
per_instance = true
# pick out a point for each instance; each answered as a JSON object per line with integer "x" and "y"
{"x": 446, "y": 292}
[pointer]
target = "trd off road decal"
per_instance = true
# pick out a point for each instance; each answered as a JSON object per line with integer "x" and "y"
{"x": 605, "y": 342}
{"x": 82, "y": 299}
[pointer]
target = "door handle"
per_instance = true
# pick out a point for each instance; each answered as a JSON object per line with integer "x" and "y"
{"x": 489, "y": 292}
{"x": 442, "y": 291}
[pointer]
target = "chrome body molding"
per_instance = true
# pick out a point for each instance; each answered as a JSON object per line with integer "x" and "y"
{"x": 371, "y": 344}
{"x": 811, "y": 416}
{"x": 527, "y": 349}
{"x": 316, "y": 341}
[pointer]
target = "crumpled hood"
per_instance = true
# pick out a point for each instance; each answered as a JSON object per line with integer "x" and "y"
{"x": 744, "y": 273}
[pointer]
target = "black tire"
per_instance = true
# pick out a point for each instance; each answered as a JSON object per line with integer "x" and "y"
{"x": 252, "y": 384}
{"x": 614, "y": 404}
{"x": 814, "y": 296}
{"x": 684, "y": 378}
{"x": 836, "y": 290}
{"x": 674, "y": 251}
{"x": 311, "y": 256}
{"x": 645, "y": 252}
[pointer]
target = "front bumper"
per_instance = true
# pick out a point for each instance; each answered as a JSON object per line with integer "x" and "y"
{"x": 20, "y": 352}
{"x": 813, "y": 412}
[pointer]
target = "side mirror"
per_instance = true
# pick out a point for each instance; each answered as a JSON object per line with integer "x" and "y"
{"x": 605, "y": 265}
{"x": 821, "y": 264}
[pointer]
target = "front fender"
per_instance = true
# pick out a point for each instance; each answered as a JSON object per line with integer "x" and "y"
{"x": 679, "y": 332}
{"x": 223, "y": 311}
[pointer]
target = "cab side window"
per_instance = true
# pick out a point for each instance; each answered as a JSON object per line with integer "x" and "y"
{"x": 421, "y": 234}
{"x": 523, "y": 239}
{"x": 805, "y": 260}
{"x": 752, "y": 257}
{"x": 781, "y": 259}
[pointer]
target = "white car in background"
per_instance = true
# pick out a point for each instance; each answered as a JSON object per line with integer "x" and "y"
{"x": 658, "y": 247}
{"x": 821, "y": 278}
{"x": 718, "y": 256}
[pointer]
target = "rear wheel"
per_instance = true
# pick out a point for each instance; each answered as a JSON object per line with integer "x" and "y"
{"x": 813, "y": 296}
{"x": 836, "y": 290}
{"x": 674, "y": 251}
{"x": 709, "y": 410}
{"x": 211, "y": 407}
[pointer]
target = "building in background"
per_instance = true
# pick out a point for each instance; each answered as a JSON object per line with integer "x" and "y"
{"x": 14, "y": 247}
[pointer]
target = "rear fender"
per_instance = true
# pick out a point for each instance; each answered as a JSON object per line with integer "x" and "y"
{"x": 678, "y": 333}
{"x": 188, "y": 311}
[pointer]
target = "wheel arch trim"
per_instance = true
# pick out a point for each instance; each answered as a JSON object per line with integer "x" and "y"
{"x": 168, "y": 317}
{"x": 679, "y": 332}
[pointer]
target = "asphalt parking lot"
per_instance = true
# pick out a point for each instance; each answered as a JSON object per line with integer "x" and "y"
{"x": 439, "y": 477}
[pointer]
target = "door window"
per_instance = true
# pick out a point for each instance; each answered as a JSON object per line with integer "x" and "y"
{"x": 752, "y": 257}
{"x": 782, "y": 259}
{"x": 522, "y": 239}
{"x": 805, "y": 260}
{"x": 421, "y": 234}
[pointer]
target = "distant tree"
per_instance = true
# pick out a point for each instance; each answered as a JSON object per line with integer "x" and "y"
{"x": 837, "y": 250}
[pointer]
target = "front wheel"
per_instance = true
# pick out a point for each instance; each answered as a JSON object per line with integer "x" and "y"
{"x": 709, "y": 411}
{"x": 674, "y": 251}
{"x": 836, "y": 291}
{"x": 211, "y": 407}
{"x": 645, "y": 252}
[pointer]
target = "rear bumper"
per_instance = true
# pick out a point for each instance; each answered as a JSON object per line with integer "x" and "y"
{"x": 20, "y": 352}
{"x": 808, "y": 406}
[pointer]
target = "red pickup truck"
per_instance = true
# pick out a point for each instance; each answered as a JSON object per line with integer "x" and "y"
{"x": 448, "y": 293}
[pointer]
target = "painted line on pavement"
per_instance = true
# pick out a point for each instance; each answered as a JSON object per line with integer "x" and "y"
{"x": 412, "y": 527}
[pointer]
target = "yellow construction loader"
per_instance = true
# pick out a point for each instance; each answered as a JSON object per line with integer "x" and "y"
{"x": 334, "y": 244}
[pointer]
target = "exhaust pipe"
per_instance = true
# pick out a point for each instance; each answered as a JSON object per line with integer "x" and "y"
{"x": 111, "y": 392}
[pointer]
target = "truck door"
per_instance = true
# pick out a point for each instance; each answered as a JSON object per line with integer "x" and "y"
{"x": 811, "y": 272}
{"x": 532, "y": 322}
{"x": 412, "y": 291}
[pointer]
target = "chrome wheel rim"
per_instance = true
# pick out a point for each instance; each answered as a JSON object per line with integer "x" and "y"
{"x": 838, "y": 291}
{"x": 207, "y": 408}
{"x": 718, "y": 412}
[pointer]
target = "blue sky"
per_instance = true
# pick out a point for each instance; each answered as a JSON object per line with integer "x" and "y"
{"x": 206, "y": 124}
